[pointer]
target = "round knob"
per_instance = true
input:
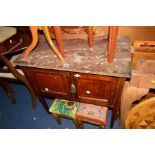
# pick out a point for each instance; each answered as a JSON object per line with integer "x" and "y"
{"x": 46, "y": 89}
{"x": 10, "y": 41}
{"x": 88, "y": 92}
{"x": 77, "y": 75}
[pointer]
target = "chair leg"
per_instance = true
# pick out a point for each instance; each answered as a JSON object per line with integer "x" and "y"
{"x": 90, "y": 36}
{"x": 113, "y": 31}
{"x": 34, "y": 32}
{"x": 6, "y": 86}
{"x": 20, "y": 77}
{"x": 57, "y": 117}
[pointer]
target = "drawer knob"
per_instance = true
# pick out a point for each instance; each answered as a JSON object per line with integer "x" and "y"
{"x": 88, "y": 92}
{"x": 77, "y": 75}
{"x": 10, "y": 41}
{"x": 46, "y": 89}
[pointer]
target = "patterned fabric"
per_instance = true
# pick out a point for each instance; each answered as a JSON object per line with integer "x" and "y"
{"x": 92, "y": 113}
{"x": 6, "y": 33}
{"x": 62, "y": 107}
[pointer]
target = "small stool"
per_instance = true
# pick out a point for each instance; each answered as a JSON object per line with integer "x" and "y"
{"x": 92, "y": 114}
{"x": 64, "y": 108}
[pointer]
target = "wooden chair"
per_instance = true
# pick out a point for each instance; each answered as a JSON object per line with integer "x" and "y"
{"x": 10, "y": 43}
{"x": 112, "y": 38}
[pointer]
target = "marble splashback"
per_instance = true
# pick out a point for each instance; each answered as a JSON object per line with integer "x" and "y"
{"x": 79, "y": 58}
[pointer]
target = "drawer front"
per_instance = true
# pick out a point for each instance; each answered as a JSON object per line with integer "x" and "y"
{"x": 94, "y": 89}
{"x": 9, "y": 43}
{"x": 50, "y": 82}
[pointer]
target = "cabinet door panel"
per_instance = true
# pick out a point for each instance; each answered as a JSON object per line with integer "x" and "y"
{"x": 50, "y": 82}
{"x": 93, "y": 88}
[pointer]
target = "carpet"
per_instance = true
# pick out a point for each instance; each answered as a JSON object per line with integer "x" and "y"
{"x": 22, "y": 116}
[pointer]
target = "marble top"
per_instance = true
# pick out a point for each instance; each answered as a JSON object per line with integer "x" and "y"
{"x": 79, "y": 58}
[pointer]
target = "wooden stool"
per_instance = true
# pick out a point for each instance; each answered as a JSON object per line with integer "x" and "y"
{"x": 64, "y": 108}
{"x": 92, "y": 114}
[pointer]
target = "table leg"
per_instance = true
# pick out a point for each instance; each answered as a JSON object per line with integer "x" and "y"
{"x": 90, "y": 36}
{"x": 113, "y": 31}
{"x": 34, "y": 32}
{"x": 58, "y": 37}
{"x": 50, "y": 42}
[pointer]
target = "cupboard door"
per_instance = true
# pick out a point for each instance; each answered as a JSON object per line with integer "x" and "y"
{"x": 94, "y": 89}
{"x": 50, "y": 82}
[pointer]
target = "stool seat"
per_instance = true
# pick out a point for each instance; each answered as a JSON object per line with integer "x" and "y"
{"x": 92, "y": 114}
{"x": 61, "y": 107}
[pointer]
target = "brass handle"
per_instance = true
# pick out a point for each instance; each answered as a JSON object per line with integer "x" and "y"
{"x": 73, "y": 88}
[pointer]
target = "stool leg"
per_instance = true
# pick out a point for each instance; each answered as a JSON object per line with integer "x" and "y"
{"x": 102, "y": 126}
{"x": 80, "y": 123}
{"x": 57, "y": 118}
{"x": 76, "y": 123}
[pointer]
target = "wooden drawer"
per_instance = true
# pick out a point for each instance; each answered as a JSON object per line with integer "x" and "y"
{"x": 94, "y": 89}
{"x": 9, "y": 43}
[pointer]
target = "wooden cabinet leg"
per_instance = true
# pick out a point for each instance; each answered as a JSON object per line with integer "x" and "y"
{"x": 113, "y": 31}
{"x": 90, "y": 36}
{"x": 34, "y": 32}
{"x": 42, "y": 101}
{"x": 57, "y": 117}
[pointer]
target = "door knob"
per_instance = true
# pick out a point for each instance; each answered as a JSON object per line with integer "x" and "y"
{"x": 88, "y": 92}
{"x": 77, "y": 75}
